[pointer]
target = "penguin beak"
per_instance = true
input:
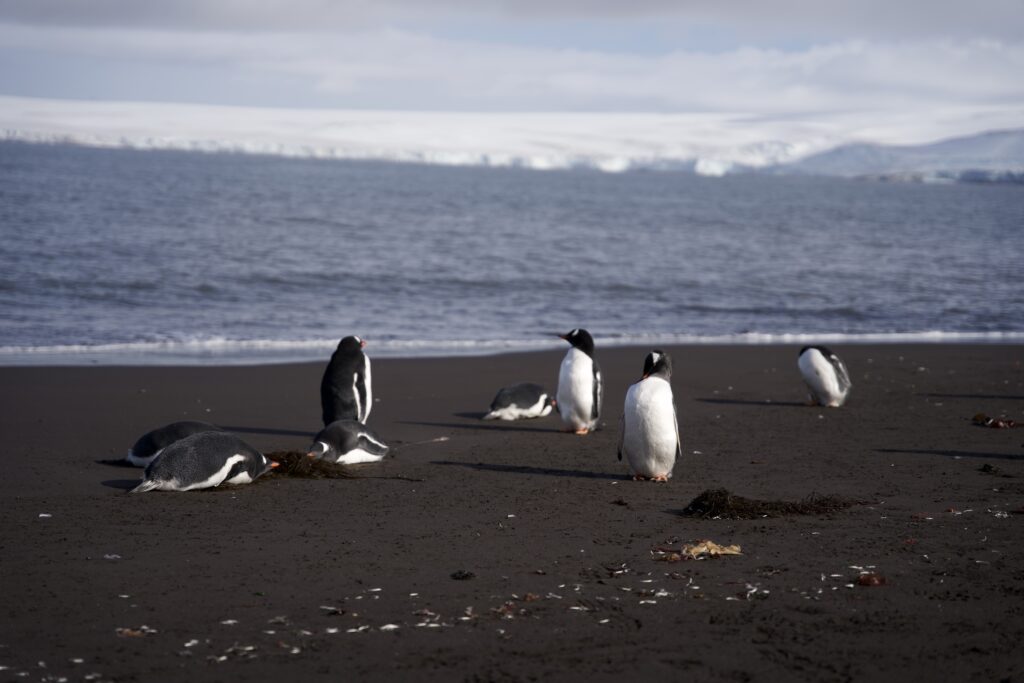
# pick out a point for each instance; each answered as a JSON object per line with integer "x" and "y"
{"x": 274, "y": 464}
{"x": 312, "y": 455}
{"x": 563, "y": 336}
{"x": 362, "y": 343}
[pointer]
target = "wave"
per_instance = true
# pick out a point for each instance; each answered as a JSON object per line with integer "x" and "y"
{"x": 224, "y": 351}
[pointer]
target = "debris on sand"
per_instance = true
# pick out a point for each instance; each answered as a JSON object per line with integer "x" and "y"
{"x": 140, "y": 632}
{"x": 720, "y": 504}
{"x": 297, "y": 464}
{"x": 983, "y": 420}
{"x": 463, "y": 575}
{"x": 870, "y": 579}
{"x": 700, "y": 550}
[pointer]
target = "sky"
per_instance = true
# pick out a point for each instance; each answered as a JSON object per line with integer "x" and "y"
{"x": 768, "y": 58}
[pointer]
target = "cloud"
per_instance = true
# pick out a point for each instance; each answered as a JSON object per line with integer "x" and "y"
{"x": 392, "y": 68}
{"x": 754, "y": 21}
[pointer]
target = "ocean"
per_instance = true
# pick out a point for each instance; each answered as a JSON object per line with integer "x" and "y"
{"x": 122, "y": 256}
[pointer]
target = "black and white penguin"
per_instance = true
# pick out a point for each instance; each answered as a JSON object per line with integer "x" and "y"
{"x": 204, "y": 460}
{"x": 521, "y": 402}
{"x": 345, "y": 391}
{"x": 825, "y": 375}
{"x": 347, "y": 442}
{"x": 152, "y": 443}
{"x": 580, "y": 389}
{"x": 649, "y": 431}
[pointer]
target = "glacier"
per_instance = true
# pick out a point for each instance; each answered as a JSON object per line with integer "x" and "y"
{"x": 707, "y": 143}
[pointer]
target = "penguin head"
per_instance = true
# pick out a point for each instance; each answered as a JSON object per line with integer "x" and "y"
{"x": 658, "y": 363}
{"x": 549, "y": 405}
{"x": 820, "y": 349}
{"x": 264, "y": 465}
{"x": 580, "y": 339}
{"x": 351, "y": 344}
{"x": 319, "y": 450}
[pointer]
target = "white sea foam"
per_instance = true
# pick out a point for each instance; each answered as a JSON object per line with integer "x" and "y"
{"x": 222, "y": 351}
{"x": 709, "y": 143}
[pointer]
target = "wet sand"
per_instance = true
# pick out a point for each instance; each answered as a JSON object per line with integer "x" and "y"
{"x": 295, "y": 579}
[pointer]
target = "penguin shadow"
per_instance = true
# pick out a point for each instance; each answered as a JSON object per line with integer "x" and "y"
{"x": 483, "y": 425}
{"x": 121, "y": 484}
{"x": 738, "y": 402}
{"x": 995, "y": 397}
{"x": 950, "y": 454}
{"x": 269, "y": 430}
{"x": 118, "y": 462}
{"x": 527, "y": 469}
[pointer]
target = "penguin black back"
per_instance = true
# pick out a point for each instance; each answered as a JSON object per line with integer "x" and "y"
{"x": 345, "y": 392}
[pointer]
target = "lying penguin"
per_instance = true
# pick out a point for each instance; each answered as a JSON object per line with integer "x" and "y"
{"x": 649, "y": 435}
{"x": 152, "y": 443}
{"x": 825, "y": 375}
{"x": 521, "y": 402}
{"x": 204, "y": 460}
{"x": 347, "y": 442}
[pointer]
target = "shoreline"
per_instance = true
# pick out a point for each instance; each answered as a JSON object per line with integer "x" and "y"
{"x": 307, "y": 578}
{"x": 224, "y": 353}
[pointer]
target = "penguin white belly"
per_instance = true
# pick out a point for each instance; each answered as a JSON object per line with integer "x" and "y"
{"x": 649, "y": 438}
{"x": 364, "y": 414}
{"x": 356, "y": 456}
{"x": 821, "y": 379}
{"x": 575, "y": 397}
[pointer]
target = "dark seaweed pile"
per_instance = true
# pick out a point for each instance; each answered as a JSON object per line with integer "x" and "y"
{"x": 722, "y": 504}
{"x": 296, "y": 464}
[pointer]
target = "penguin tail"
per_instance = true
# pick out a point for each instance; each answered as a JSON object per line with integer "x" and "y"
{"x": 146, "y": 485}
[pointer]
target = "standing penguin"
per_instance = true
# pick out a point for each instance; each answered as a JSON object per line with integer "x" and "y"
{"x": 825, "y": 375}
{"x": 649, "y": 434}
{"x": 347, "y": 442}
{"x": 204, "y": 460}
{"x": 580, "y": 389}
{"x": 152, "y": 443}
{"x": 345, "y": 392}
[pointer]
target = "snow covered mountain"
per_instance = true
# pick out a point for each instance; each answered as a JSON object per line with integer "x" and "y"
{"x": 877, "y": 144}
{"x": 996, "y": 156}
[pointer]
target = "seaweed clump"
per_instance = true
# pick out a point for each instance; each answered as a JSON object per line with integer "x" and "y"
{"x": 297, "y": 464}
{"x": 719, "y": 503}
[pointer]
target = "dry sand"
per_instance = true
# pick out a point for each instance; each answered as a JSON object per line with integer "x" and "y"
{"x": 295, "y": 579}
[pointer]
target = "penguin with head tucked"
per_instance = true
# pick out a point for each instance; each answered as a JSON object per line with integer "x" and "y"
{"x": 649, "y": 431}
{"x": 580, "y": 388}
{"x": 347, "y": 442}
{"x": 521, "y": 402}
{"x": 345, "y": 390}
{"x": 204, "y": 460}
{"x": 150, "y": 444}
{"x": 825, "y": 375}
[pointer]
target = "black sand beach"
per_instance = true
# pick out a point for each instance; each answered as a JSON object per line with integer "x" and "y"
{"x": 514, "y": 552}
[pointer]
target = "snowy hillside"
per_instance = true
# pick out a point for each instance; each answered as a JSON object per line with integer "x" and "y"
{"x": 852, "y": 144}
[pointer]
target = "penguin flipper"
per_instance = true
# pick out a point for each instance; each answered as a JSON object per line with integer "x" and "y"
{"x": 622, "y": 433}
{"x": 675, "y": 422}
{"x": 595, "y": 411}
{"x": 146, "y": 485}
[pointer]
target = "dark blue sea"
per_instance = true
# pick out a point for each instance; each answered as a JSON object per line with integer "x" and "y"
{"x": 118, "y": 256}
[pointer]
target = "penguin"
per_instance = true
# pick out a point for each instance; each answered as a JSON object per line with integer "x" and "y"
{"x": 649, "y": 430}
{"x": 521, "y": 402}
{"x": 204, "y": 460}
{"x": 152, "y": 443}
{"x": 825, "y": 375}
{"x": 347, "y": 442}
{"x": 580, "y": 390}
{"x": 345, "y": 391}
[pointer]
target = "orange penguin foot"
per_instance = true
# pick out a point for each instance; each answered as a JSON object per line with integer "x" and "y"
{"x": 660, "y": 477}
